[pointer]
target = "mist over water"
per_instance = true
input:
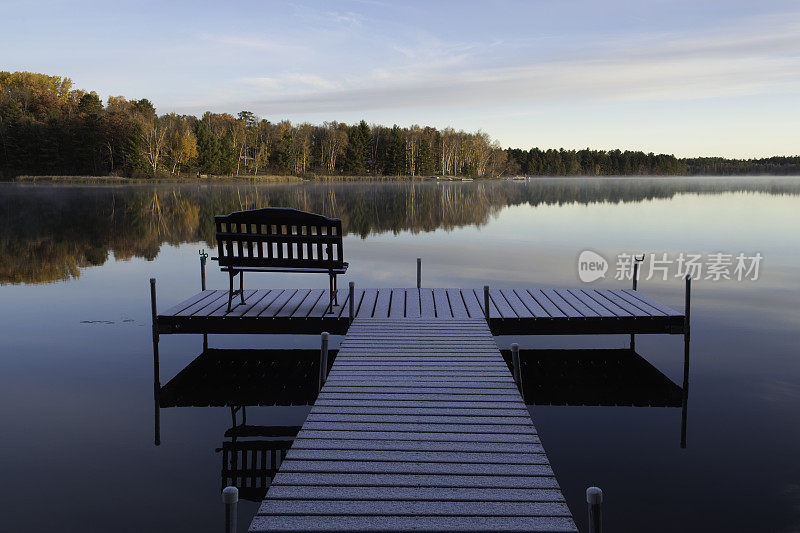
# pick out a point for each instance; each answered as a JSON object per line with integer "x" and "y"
{"x": 76, "y": 371}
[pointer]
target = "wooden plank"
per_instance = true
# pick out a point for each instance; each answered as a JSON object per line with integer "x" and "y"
{"x": 395, "y": 410}
{"x": 367, "y": 304}
{"x": 541, "y": 298}
{"x": 416, "y": 445}
{"x": 412, "y": 480}
{"x": 413, "y": 508}
{"x": 622, "y": 303}
{"x": 320, "y": 309}
{"x": 419, "y": 419}
{"x": 576, "y": 304}
{"x": 585, "y": 300}
{"x": 293, "y": 303}
{"x": 410, "y": 523}
{"x": 397, "y": 308}
{"x": 497, "y": 298}
{"x": 382, "y": 303}
{"x": 410, "y": 467}
{"x": 353, "y": 402}
{"x": 277, "y": 304}
{"x": 250, "y": 301}
{"x": 314, "y": 297}
{"x": 442, "y": 304}
{"x": 175, "y": 309}
{"x": 649, "y": 309}
{"x": 493, "y": 311}
{"x": 262, "y": 304}
{"x": 413, "y": 309}
{"x": 652, "y": 303}
{"x": 222, "y": 310}
{"x": 561, "y": 304}
{"x": 474, "y": 309}
{"x": 211, "y": 301}
{"x": 516, "y": 304}
{"x": 456, "y": 303}
{"x": 530, "y": 303}
{"x": 606, "y": 303}
{"x": 473, "y": 494}
{"x": 427, "y": 305}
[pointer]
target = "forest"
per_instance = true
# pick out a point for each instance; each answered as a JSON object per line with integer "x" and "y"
{"x": 47, "y": 127}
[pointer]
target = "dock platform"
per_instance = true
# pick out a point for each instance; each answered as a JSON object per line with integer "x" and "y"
{"x": 511, "y": 311}
{"x": 419, "y": 426}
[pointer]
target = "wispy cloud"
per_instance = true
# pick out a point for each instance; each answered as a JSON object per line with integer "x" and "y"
{"x": 252, "y": 42}
{"x": 292, "y": 81}
{"x": 749, "y": 57}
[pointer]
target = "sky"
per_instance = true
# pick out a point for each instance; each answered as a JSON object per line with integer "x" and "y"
{"x": 690, "y": 78}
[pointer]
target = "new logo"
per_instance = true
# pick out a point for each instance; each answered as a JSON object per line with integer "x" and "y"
{"x": 591, "y": 266}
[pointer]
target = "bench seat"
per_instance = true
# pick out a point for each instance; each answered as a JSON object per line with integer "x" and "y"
{"x": 309, "y": 270}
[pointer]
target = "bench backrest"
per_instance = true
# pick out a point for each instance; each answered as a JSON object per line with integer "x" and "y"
{"x": 279, "y": 237}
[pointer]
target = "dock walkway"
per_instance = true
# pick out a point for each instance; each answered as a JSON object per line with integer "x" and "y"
{"x": 419, "y": 426}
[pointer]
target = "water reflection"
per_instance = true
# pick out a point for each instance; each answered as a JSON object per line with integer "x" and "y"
{"x": 50, "y": 232}
{"x": 251, "y": 454}
{"x": 237, "y": 378}
{"x": 599, "y": 377}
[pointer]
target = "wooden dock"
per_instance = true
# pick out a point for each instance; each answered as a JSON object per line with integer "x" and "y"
{"x": 419, "y": 426}
{"x": 511, "y": 311}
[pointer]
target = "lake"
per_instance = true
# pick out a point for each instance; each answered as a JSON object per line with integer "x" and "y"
{"x": 76, "y": 372}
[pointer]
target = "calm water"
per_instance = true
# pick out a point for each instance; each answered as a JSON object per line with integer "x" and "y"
{"x": 76, "y": 393}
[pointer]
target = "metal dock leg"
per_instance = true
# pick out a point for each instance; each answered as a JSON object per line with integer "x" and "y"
{"x": 351, "y": 298}
{"x": 203, "y": 257}
{"x": 156, "y": 372}
{"x": 594, "y": 497}
{"x": 486, "y": 302}
{"x": 323, "y": 359}
{"x": 230, "y": 497}
{"x": 686, "y": 342}
{"x": 515, "y": 363}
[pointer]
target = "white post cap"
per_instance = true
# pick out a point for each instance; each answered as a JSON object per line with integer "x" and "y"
{"x": 230, "y": 495}
{"x": 594, "y": 495}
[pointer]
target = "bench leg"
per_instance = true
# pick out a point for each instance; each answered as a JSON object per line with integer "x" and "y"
{"x": 230, "y": 290}
{"x": 335, "y": 291}
{"x": 331, "y": 277}
{"x": 241, "y": 286}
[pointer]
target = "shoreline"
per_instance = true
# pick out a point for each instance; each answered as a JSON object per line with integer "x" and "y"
{"x": 108, "y": 180}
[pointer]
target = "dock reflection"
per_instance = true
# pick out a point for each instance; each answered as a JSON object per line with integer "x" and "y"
{"x": 599, "y": 377}
{"x": 237, "y": 379}
{"x": 251, "y": 454}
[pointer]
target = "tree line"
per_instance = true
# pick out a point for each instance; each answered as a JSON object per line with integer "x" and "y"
{"x": 47, "y": 127}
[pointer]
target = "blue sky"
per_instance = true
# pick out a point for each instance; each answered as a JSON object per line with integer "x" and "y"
{"x": 689, "y": 78}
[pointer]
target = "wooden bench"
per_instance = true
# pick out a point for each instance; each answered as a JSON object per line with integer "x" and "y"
{"x": 276, "y": 239}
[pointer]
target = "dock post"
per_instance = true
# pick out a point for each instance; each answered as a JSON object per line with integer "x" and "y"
{"x": 230, "y": 497}
{"x": 419, "y": 272}
{"x": 515, "y": 363}
{"x": 323, "y": 359}
{"x": 594, "y": 497}
{"x": 351, "y": 297}
{"x": 156, "y": 372}
{"x": 486, "y": 302}
{"x": 687, "y": 310}
{"x": 636, "y": 260}
{"x": 203, "y": 257}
